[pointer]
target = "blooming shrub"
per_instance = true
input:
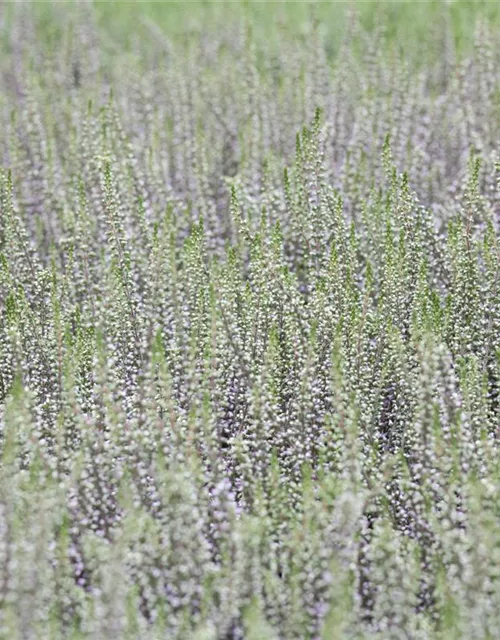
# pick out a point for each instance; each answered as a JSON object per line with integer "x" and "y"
{"x": 249, "y": 334}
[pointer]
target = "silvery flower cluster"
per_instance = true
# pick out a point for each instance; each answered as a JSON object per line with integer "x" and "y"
{"x": 249, "y": 334}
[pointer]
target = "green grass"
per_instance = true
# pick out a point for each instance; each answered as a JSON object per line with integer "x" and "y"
{"x": 411, "y": 27}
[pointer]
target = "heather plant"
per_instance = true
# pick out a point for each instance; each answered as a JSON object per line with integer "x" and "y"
{"x": 249, "y": 323}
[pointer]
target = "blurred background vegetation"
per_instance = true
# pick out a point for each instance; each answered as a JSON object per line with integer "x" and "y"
{"x": 411, "y": 28}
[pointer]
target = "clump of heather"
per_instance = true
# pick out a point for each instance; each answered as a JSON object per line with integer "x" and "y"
{"x": 249, "y": 332}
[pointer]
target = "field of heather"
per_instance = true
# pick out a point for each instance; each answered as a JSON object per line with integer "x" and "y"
{"x": 249, "y": 320}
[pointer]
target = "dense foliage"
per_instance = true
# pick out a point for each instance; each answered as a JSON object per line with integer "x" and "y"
{"x": 249, "y": 333}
